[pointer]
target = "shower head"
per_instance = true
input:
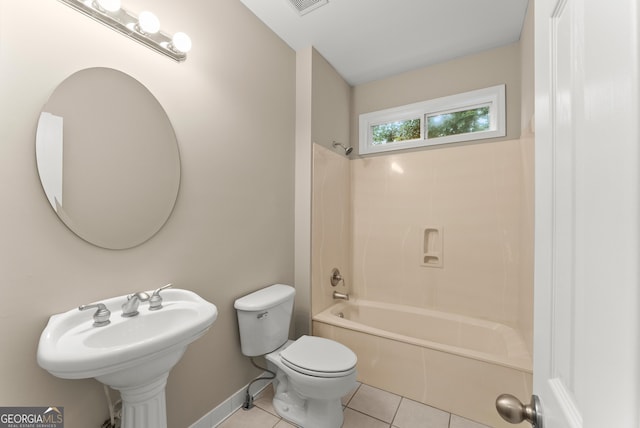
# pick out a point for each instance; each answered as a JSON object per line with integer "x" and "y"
{"x": 347, "y": 150}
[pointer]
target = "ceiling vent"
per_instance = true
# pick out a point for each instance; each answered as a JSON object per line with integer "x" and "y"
{"x": 305, "y": 6}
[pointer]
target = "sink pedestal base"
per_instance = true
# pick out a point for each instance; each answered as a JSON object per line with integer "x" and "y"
{"x": 142, "y": 390}
{"x": 145, "y": 406}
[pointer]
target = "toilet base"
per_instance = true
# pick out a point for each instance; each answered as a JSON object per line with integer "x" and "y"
{"x": 309, "y": 413}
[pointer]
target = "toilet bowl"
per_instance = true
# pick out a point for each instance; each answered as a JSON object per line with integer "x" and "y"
{"x": 312, "y": 373}
{"x": 312, "y": 376}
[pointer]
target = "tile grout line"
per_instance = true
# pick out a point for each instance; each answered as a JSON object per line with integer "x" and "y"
{"x": 397, "y": 409}
{"x": 372, "y": 417}
{"x": 353, "y": 395}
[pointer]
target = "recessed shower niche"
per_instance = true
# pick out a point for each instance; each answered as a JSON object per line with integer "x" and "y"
{"x": 432, "y": 248}
{"x": 108, "y": 158}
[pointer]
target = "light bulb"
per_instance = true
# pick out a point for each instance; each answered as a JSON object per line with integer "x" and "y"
{"x": 148, "y": 22}
{"x": 109, "y": 5}
{"x": 181, "y": 42}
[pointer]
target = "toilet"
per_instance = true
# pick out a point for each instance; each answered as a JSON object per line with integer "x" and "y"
{"x": 312, "y": 373}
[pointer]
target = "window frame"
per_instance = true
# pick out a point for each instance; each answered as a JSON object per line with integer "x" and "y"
{"x": 494, "y": 97}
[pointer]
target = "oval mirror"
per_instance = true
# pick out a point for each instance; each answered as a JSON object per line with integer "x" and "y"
{"x": 108, "y": 158}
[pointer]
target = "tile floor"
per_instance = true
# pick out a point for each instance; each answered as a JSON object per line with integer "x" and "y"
{"x": 365, "y": 407}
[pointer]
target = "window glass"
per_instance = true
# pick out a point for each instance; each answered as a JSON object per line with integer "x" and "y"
{"x": 458, "y": 122}
{"x": 401, "y": 130}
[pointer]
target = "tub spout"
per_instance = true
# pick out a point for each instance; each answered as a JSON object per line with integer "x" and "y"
{"x": 342, "y": 296}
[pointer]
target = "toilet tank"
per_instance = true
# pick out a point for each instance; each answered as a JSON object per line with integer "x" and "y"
{"x": 264, "y": 317}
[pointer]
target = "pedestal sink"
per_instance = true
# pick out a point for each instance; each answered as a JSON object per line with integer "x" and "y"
{"x": 133, "y": 355}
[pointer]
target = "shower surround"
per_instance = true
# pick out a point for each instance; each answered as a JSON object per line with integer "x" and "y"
{"x": 369, "y": 217}
{"x": 469, "y": 192}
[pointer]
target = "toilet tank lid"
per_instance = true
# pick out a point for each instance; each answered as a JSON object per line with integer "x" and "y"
{"x": 265, "y": 298}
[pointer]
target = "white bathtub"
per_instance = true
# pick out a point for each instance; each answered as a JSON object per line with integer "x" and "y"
{"x": 451, "y": 362}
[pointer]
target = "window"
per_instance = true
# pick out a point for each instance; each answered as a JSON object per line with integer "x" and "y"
{"x": 468, "y": 116}
{"x": 458, "y": 122}
{"x": 400, "y": 130}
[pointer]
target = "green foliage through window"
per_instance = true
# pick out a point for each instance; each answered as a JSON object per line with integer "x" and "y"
{"x": 396, "y": 131}
{"x": 459, "y": 122}
{"x": 469, "y": 116}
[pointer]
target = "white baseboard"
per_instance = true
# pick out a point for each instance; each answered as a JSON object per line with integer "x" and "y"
{"x": 230, "y": 405}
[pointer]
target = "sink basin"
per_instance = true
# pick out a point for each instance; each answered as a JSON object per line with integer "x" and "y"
{"x": 133, "y": 355}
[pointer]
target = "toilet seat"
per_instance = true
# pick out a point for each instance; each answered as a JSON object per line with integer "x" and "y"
{"x": 319, "y": 357}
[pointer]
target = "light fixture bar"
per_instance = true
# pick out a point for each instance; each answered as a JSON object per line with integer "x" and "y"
{"x": 126, "y": 23}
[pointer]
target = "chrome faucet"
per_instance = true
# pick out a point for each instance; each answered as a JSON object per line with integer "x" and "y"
{"x": 342, "y": 296}
{"x": 130, "y": 307}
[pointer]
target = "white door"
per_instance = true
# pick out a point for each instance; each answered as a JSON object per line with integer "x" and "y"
{"x": 587, "y": 300}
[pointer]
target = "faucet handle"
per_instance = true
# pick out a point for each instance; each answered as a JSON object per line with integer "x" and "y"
{"x": 101, "y": 317}
{"x": 155, "y": 302}
{"x": 336, "y": 277}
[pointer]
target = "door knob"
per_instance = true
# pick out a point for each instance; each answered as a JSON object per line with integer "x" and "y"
{"x": 513, "y": 411}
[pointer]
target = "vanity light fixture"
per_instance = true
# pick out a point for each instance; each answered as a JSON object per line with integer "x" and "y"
{"x": 144, "y": 29}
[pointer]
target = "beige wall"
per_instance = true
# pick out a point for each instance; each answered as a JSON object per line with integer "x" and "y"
{"x": 232, "y": 107}
{"x": 331, "y": 104}
{"x": 331, "y": 226}
{"x": 322, "y": 183}
{"x": 527, "y": 140}
{"x": 331, "y": 192}
{"x": 303, "y": 155}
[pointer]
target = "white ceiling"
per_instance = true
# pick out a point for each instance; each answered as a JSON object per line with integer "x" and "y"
{"x": 368, "y": 40}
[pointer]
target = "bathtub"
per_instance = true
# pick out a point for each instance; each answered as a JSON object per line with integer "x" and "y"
{"x": 448, "y": 361}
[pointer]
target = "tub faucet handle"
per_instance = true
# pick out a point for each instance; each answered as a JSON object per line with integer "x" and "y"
{"x": 155, "y": 302}
{"x": 101, "y": 317}
{"x": 336, "y": 277}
